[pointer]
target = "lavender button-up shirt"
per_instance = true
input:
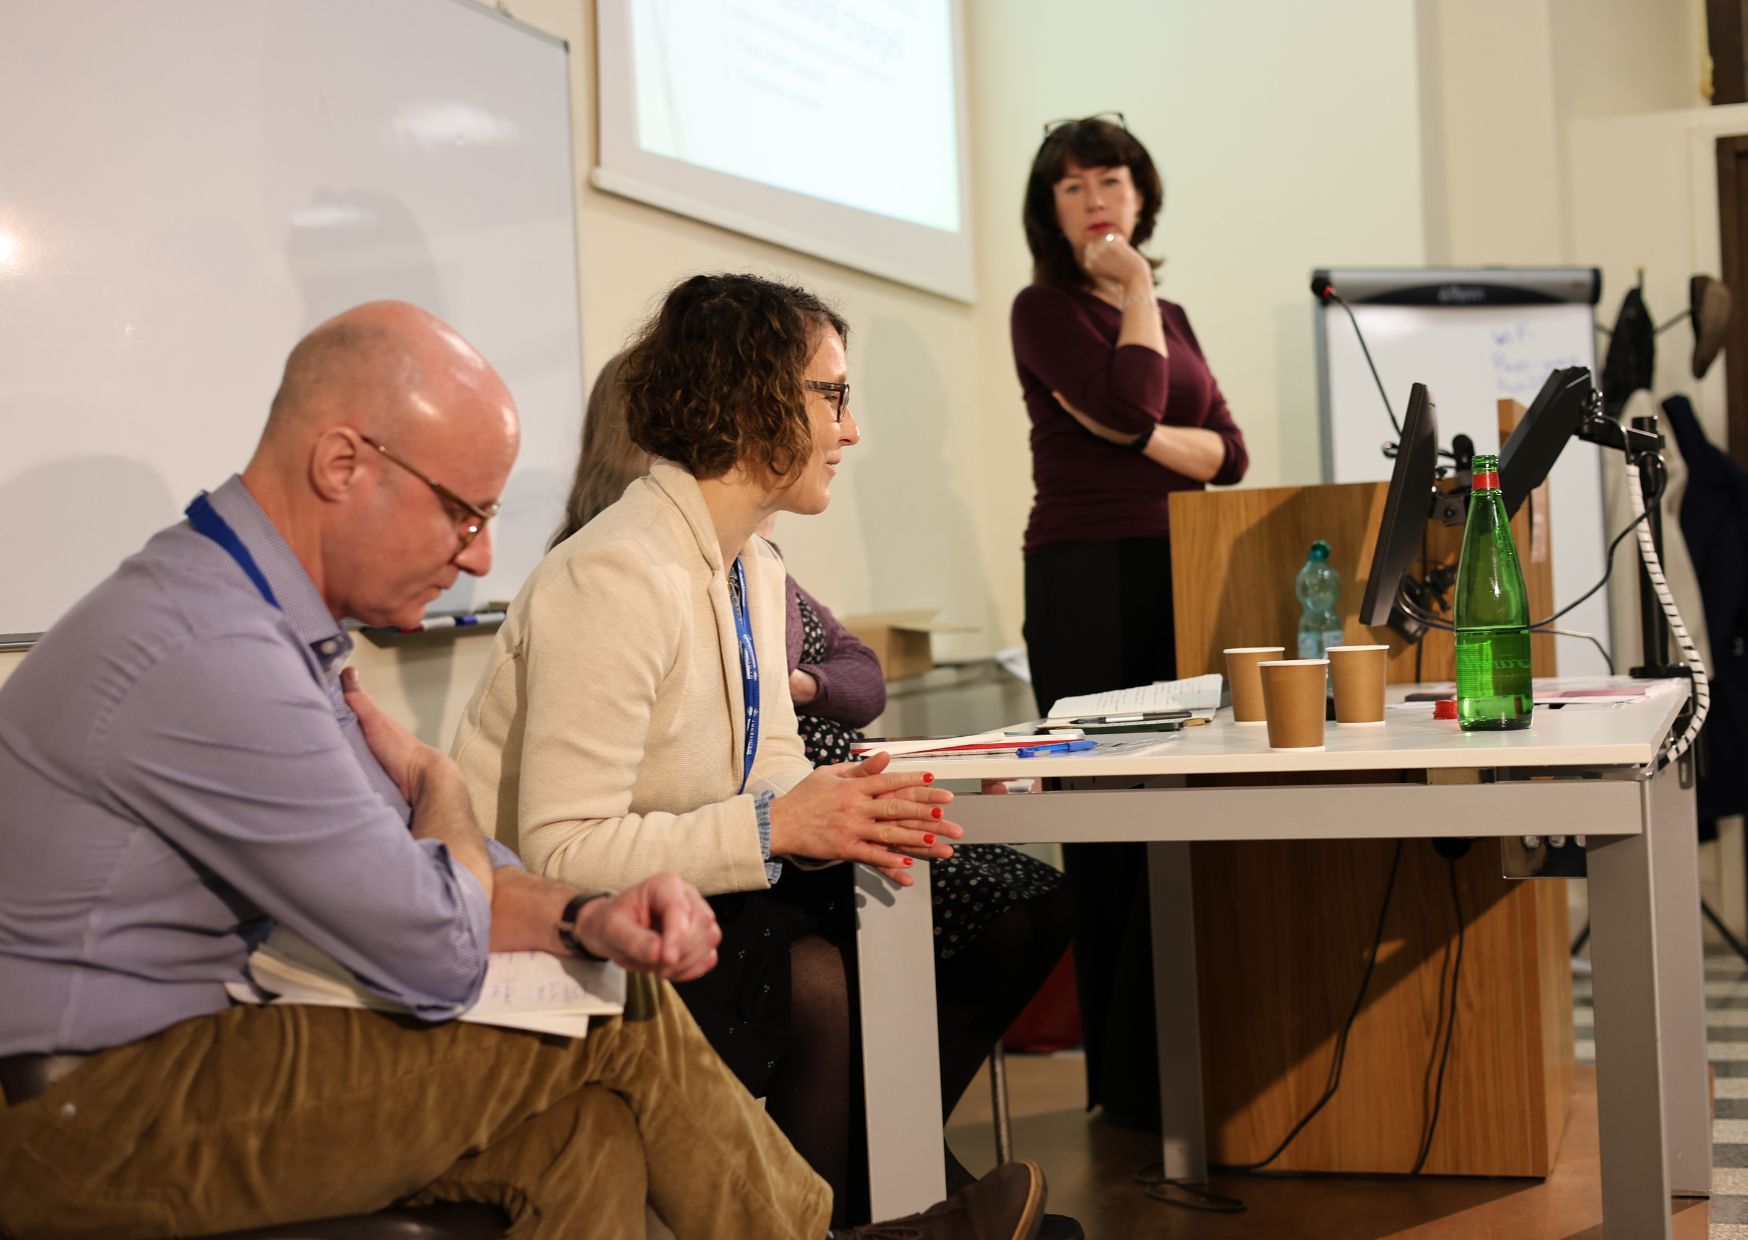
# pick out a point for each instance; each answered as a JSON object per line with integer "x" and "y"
{"x": 178, "y": 771}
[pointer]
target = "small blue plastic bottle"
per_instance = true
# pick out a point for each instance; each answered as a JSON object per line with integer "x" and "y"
{"x": 1317, "y": 586}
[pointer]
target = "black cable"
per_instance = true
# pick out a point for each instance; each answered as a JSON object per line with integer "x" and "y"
{"x": 1335, "y": 1066}
{"x": 1197, "y": 1198}
{"x": 1450, "y": 1025}
{"x": 1360, "y": 336}
{"x": 1439, "y": 622}
{"x": 1193, "y": 1196}
{"x": 1607, "y": 570}
{"x": 1589, "y": 637}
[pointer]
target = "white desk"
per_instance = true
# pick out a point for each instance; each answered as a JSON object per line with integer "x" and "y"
{"x": 1577, "y": 770}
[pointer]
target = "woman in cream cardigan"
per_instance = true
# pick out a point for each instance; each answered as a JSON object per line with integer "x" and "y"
{"x": 610, "y": 737}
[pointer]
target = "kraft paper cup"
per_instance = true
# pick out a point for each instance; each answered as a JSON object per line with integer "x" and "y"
{"x": 1241, "y": 674}
{"x": 1357, "y": 673}
{"x": 1295, "y": 693}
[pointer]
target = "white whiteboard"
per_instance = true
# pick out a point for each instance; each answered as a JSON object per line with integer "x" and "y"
{"x": 1469, "y": 357}
{"x": 199, "y": 182}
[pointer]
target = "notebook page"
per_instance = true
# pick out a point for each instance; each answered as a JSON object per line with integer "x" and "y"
{"x": 1200, "y": 694}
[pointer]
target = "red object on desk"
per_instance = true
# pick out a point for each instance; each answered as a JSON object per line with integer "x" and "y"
{"x": 1445, "y": 708}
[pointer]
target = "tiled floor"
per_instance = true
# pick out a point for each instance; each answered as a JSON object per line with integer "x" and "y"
{"x": 1727, "y": 1050}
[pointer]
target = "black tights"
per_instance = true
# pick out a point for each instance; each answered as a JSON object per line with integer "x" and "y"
{"x": 984, "y": 986}
{"x": 815, "y": 1093}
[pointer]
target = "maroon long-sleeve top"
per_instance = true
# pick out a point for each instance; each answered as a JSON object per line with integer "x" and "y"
{"x": 852, "y": 689}
{"x": 1089, "y": 489}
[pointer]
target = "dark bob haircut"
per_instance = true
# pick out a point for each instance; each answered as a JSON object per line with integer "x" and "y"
{"x": 1091, "y": 143}
{"x": 714, "y": 380}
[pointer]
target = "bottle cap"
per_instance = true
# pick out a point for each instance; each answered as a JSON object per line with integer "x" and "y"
{"x": 1445, "y": 708}
{"x": 1319, "y": 550}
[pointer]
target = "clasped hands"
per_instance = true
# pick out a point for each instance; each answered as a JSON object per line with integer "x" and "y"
{"x": 859, "y": 811}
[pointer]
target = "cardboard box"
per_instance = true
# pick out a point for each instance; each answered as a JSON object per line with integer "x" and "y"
{"x": 901, "y": 639}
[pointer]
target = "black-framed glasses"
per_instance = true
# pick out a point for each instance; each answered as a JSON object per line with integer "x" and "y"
{"x": 470, "y": 525}
{"x": 1114, "y": 118}
{"x": 839, "y": 393}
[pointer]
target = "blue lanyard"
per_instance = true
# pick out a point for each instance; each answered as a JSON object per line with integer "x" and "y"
{"x": 201, "y": 516}
{"x": 749, "y": 670}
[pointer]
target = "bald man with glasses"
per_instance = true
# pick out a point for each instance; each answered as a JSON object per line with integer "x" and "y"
{"x": 185, "y": 765}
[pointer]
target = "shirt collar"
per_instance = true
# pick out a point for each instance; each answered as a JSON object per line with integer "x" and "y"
{"x": 301, "y": 605}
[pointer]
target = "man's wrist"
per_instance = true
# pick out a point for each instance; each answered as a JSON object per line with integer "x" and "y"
{"x": 425, "y": 770}
{"x": 1140, "y": 445}
{"x": 567, "y": 925}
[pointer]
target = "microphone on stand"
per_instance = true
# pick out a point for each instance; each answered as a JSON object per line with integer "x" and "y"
{"x": 1323, "y": 289}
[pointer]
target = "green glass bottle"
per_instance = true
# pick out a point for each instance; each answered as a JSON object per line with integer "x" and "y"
{"x": 1491, "y": 615}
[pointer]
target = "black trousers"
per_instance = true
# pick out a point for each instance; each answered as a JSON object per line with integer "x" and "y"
{"x": 1099, "y": 617}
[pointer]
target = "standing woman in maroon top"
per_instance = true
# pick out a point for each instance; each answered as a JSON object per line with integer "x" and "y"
{"x": 1124, "y": 411}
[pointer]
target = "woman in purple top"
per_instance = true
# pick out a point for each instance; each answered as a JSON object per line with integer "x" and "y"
{"x": 1124, "y": 411}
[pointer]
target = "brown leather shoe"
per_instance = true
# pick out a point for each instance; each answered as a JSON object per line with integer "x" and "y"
{"x": 1006, "y": 1204}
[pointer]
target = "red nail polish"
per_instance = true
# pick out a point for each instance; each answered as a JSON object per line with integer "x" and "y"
{"x": 928, "y": 778}
{"x": 936, "y": 812}
{"x": 928, "y": 839}
{"x": 907, "y": 861}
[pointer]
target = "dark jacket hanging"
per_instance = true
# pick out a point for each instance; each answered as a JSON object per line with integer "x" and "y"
{"x": 1714, "y": 520}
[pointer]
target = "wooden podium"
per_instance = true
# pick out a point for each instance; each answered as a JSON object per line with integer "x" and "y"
{"x": 1283, "y": 929}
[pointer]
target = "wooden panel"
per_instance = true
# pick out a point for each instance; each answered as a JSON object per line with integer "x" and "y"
{"x": 1283, "y": 929}
{"x": 1235, "y": 554}
{"x": 1280, "y": 969}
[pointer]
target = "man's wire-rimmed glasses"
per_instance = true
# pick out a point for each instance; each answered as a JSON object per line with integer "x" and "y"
{"x": 470, "y": 525}
{"x": 839, "y": 393}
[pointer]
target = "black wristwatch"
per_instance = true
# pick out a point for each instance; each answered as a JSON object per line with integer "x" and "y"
{"x": 567, "y": 926}
{"x": 1140, "y": 445}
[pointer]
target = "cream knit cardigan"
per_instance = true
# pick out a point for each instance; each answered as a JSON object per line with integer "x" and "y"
{"x": 604, "y": 742}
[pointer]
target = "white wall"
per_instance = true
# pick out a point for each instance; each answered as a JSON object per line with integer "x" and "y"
{"x": 1645, "y": 196}
{"x": 1290, "y": 135}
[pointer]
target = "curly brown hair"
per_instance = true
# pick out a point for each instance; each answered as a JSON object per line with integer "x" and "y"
{"x": 714, "y": 380}
{"x": 608, "y": 462}
{"x": 1091, "y": 143}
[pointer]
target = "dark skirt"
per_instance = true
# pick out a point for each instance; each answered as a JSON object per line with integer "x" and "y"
{"x": 742, "y": 1005}
{"x": 1099, "y": 617}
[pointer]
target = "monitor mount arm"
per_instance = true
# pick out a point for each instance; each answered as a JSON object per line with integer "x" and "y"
{"x": 1449, "y": 508}
{"x": 1642, "y": 445}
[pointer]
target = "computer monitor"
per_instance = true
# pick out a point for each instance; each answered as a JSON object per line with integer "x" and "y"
{"x": 1406, "y": 509}
{"x": 1552, "y": 419}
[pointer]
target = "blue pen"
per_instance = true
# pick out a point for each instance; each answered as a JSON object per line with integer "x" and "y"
{"x": 1033, "y": 751}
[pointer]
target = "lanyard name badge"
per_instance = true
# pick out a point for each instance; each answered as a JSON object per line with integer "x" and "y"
{"x": 206, "y": 521}
{"x": 749, "y": 670}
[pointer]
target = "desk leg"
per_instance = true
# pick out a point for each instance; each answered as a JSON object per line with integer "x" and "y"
{"x": 1687, "y": 1119}
{"x": 1629, "y": 1064}
{"x": 901, "y": 1067}
{"x": 1177, "y": 1010}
